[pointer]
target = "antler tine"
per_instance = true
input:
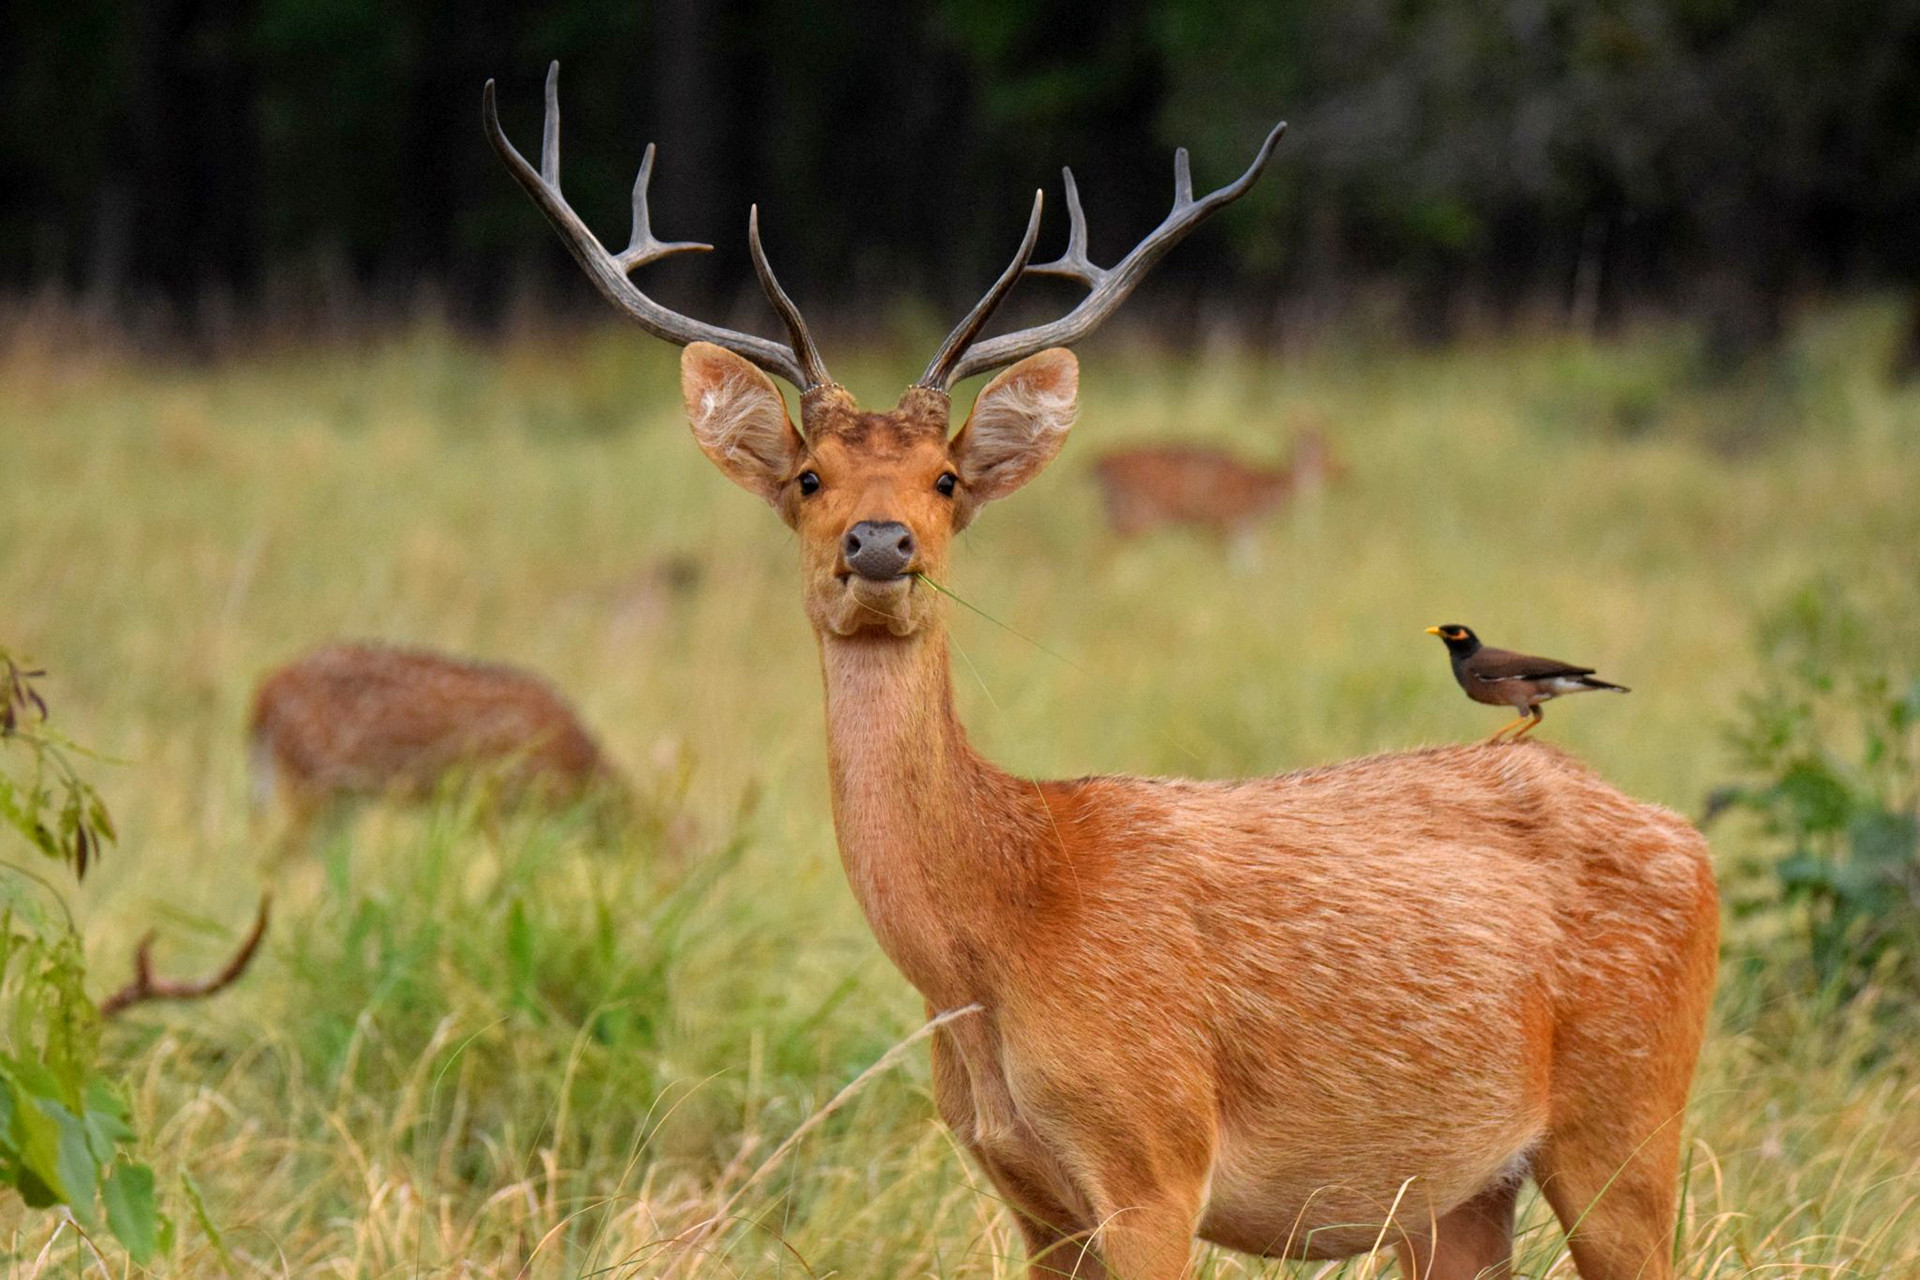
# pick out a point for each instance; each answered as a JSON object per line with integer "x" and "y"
{"x": 1074, "y": 264}
{"x": 550, "y": 129}
{"x": 1108, "y": 287}
{"x": 607, "y": 271}
{"x": 939, "y": 374}
{"x": 803, "y": 347}
{"x": 642, "y": 248}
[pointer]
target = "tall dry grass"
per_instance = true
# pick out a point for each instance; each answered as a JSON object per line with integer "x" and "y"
{"x": 494, "y": 1049}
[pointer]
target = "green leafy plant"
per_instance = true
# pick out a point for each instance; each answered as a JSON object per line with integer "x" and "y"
{"x": 65, "y": 1136}
{"x": 1832, "y": 743}
{"x": 47, "y": 802}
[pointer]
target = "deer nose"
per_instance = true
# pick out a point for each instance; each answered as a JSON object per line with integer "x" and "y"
{"x": 878, "y": 549}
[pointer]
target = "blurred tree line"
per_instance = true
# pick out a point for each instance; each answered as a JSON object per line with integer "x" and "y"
{"x": 1462, "y": 157}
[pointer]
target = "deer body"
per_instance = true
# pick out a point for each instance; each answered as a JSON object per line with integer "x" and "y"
{"x": 366, "y": 720}
{"x": 1285, "y": 997}
{"x": 1202, "y": 487}
{"x": 1295, "y": 1015}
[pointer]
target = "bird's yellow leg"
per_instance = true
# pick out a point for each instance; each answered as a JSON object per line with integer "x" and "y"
{"x": 1504, "y": 729}
{"x": 1528, "y": 725}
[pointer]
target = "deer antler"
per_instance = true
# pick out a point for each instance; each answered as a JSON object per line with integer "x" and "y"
{"x": 799, "y": 363}
{"x": 145, "y": 986}
{"x": 1108, "y": 287}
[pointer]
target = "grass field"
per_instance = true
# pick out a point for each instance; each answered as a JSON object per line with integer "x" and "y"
{"x": 478, "y": 1049}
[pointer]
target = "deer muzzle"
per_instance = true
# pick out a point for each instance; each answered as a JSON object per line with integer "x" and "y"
{"x": 878, "y": 551}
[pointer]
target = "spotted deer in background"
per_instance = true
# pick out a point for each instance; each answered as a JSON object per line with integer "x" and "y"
{"x": 357, "y": 720}
{"x": 1294, "y": 1015}
{"x": 1207, "y": 488}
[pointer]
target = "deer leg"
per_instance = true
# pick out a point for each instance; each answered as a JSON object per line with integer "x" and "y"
{"x": 1052, "y": 1255}
{"x": 1150, "y": 1239}
{"x": 1143, "y": 1183}
{"x": 1056, "y": 1248}
{"x": 1059, "y": 1240}
{"x": 1471, "y": 1242}
{"x": 1610, "y": 1162}
{"x": 1059, "y": 1246}
{"x": 1615, "y": 1199}
{"x": 304, "y": 812}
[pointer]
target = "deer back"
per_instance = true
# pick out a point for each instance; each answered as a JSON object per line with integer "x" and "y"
{"x": 1190, "y": 485}
{"x": 365, "y": 719}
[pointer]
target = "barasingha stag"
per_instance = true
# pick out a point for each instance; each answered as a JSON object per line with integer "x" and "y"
{"x": 1294, "y": 1015}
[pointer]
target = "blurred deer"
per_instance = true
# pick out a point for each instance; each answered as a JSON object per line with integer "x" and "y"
{"x": 370, "y": 720}
{"x": 1295, "y": 1015}
{"x": 1207, "y": 488}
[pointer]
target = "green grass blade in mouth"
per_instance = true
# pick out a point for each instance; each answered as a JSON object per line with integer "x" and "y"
{"x": 1181, "y": 747}
{"x": 1003, "y": 626}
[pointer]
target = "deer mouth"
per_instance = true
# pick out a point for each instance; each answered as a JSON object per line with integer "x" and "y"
{"x": 854, "y": 581}
{"x": 875, "y": 603}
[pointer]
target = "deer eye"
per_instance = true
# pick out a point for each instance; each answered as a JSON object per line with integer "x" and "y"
{"x": 945, "y": 484}
{"x": 809, "y": 484}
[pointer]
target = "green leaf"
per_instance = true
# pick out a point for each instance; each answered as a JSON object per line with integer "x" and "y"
{"x": 35, "y": 1138}
{"x": 79, "y": 1171}
{"x": 37, "y": 1194}
{"x": 131, "y": 1212}
{"x": 11, "y": 811}
{"x": 102, "y": 820}
{"x": 106, "y": 1119}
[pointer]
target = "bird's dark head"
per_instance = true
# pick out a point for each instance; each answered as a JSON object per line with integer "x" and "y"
{"x": 1460, "y": 641}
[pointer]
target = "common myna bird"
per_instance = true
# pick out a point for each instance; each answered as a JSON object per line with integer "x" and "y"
{"x": 1503, "y": 678}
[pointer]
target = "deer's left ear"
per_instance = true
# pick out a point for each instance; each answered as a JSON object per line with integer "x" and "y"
{"x": 1018, "y": 424}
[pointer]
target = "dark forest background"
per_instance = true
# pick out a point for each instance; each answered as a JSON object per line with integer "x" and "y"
{"x": 207, "y": 161}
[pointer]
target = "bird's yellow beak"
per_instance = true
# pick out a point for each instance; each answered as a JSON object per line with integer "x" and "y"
{"x": 1433, "y": 631}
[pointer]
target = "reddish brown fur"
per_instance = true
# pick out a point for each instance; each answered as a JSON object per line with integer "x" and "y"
{"x": 1204, "y": 487}
{"x": 359, "y": 720}
{"x": 1289, "y": 1014}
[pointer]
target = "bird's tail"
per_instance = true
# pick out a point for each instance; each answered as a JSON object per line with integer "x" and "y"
{"x": 1592, "y": 683}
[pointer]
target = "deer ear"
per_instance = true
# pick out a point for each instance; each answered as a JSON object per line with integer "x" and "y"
{"x": 739, "y": 419}
{"x": 1018, "y": 424}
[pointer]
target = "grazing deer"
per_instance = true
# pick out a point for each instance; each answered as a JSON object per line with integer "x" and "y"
{"x": 365, "y": 720}
{"x": 1294, "y": 1015}
{"x": 1206, "y": 488}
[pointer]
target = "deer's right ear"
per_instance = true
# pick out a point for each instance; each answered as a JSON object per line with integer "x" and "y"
{"x": 739, "y": 419}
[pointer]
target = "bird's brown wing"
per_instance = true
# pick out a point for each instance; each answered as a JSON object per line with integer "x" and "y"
{"x": 1504, "y": 664}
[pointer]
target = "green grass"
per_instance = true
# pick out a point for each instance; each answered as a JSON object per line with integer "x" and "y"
{"x": 472, "y": 1048}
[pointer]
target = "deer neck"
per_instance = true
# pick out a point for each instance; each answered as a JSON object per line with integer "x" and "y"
{"x": 929, "y": 831}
